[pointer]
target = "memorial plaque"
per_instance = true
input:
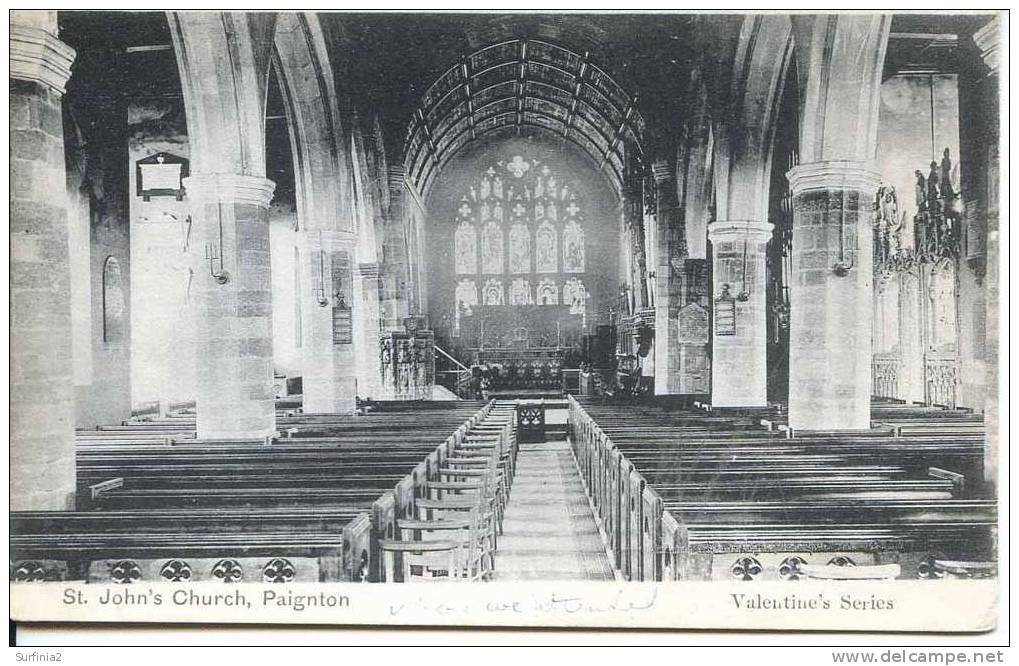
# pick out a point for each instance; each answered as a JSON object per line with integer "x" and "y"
{"x": 694, "y": 375}
{"x": 693, "y": 324}
{"x": 161, "y": 175}
{"x": 343, "y": 296}
{"x": 725, "y": 316}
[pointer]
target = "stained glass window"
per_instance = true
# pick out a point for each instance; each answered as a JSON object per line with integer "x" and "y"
{"x": 493, "y": 293}
{"x": 491, "y": 248}
{"x": 520, "y": 292}
{"x": 520, "y": 249}
{"x": 548, "y": 292}
{"x": 466, "y": 249}
{"x": 519, "y": 228}
{"x": 546, "y": 249}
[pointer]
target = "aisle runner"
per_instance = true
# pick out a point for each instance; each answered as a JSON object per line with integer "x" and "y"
{"x": 549, "y": 531}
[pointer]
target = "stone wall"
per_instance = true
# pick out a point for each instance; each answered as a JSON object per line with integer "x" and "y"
{"x": 167, "y": 260}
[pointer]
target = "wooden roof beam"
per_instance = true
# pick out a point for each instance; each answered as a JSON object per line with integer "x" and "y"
{"x": 578, "y": 79}
{"x": 521, "y": 79}
{"x": 630, "y": 108}
{"x": 432, "y": 150}
{"x": 465, "y": 67}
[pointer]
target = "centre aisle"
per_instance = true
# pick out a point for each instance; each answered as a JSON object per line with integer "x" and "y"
{"x": 549, "y": 531}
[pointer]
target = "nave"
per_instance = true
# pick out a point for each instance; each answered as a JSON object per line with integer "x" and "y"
{"x": 694, "y": 494}
{"x": 302, "y": 296}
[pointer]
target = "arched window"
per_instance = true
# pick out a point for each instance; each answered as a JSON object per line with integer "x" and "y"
{"x": 114, "y": 304}
{"x": 466, "y": 249}
{"x": 518, "y": 235}
{"x": 519, "y": 218}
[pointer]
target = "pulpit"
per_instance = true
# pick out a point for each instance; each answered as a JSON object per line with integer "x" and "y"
{"x": 407, "y": 365}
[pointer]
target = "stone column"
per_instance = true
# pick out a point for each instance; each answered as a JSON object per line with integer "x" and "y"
{"x": 41, "y": 371}
{"x": 831, "y": 295}
{"x": 666, "y": 351}
{"x": 367, "y": 329}
{"x": 739, "y": 369}
{"x": 987, "y": 40}
{"x": 393, "y": 303}
{"x": 233, "y": 307}
{"x": 329, "y": 377}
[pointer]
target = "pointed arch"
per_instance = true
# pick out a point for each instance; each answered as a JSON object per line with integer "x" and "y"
{"x": 744, "y": 133}
{"x": 318, "y": 130}
{"x": 217, "y": 52}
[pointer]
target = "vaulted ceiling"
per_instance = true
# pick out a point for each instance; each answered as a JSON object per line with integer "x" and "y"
{"x": 601, "y": 83}
{"x": 520, "y": 84}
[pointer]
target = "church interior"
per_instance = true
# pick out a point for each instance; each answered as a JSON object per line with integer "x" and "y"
{"x": 320, "y": 297}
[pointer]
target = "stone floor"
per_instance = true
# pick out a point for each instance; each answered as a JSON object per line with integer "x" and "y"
{"x": 549, "y": 531}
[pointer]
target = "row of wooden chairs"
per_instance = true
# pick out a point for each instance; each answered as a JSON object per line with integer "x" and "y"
{"x": 453, "y": 534}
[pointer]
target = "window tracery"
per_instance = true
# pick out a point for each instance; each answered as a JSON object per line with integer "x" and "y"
{"x": 543, "y": 235}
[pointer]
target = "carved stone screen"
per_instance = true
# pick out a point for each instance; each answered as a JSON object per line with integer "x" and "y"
{"x": 523, "y": 248}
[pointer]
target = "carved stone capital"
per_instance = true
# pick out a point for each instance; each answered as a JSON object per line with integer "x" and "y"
{"x": 397, "y": 177}
{"x": 37, "y": 55}
{"x": 330, "y": 240}
{"x": 739, "y": 230}
{"x": 834, "y": 174}
{"x": 229, "y": 188}
{"x": 369, "y": 270}
{"x": 987, "y": 40}
{"x": 662, "y": 171}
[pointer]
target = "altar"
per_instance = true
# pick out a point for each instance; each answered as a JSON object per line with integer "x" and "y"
{"x": 523, "y": 347}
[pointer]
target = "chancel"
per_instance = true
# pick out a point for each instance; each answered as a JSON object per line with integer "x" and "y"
{"x": 309, "y": 297}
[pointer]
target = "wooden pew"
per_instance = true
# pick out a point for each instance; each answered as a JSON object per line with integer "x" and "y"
{"x": 628, "y": 474}
{"x": 268, "y": 545}
{"x": 305, "y": 491}
{"x": 721, "y": 540}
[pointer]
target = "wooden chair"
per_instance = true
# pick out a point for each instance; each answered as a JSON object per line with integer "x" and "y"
{"x": 421, "y": 561}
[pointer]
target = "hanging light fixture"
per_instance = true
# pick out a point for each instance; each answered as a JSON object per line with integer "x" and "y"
{"x": 744, "y": 294}
{"x": 842, "y": 267}
{"x": 214, "y": 253}
{"x": 320, "y": 290}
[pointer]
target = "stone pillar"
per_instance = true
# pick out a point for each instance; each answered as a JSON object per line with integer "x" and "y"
{"x": 987, "y": 40}
{"x": 41, "y": 371}
{"x": 666, "y": 351}
{"x": 393, "y": 304}
{"x": 831, "y": 295}
{"x": 367, "y": 329}
{"x": 233, "y": 307}
{"x": 739, "y": 368}
{"x": 329, "y": 376}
